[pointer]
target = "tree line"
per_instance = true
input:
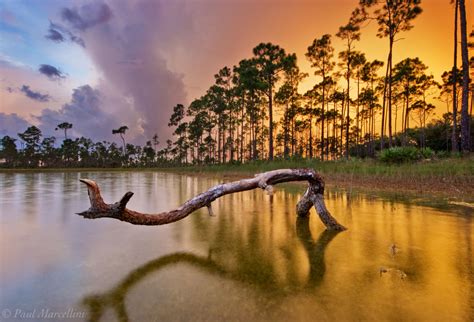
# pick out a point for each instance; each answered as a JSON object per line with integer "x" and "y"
{"x": 254, "y": 110}
{"x": 352, "y": 110}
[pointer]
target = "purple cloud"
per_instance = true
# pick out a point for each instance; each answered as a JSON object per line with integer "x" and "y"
{"x": 51, "y": 72}
{"x": 87, "y": 15}
{"x": 54, "y": 35}
{"x": 59, "y": 33}
{"x": 36, "y": 96}
{"x": 129, "y": 53}
{"x": 84, "y": 112}
{"x": 12, "y": 124}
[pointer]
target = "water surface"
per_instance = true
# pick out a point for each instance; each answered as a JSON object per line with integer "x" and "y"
{"x": 253, "y": 261}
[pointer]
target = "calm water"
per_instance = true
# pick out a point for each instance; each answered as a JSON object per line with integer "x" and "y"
{"x": 252, "y": 262}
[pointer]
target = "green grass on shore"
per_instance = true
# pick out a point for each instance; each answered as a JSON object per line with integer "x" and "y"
{"x": 435, "y": 168}
{"x": 367, "y": 167}
{"x": 453, "y": 177}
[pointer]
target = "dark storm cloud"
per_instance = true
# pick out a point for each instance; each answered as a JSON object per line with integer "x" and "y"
{"x": 36, "y": 96}
{"x": 12, "y": 124}
{"x": 84, "y": 111}
{"x": 87, "y": 15}
{"x": 51, "y": 72}
{"x": 59, "y": 33}
{"x": 129, "y": 49}
{"x": 54, "y": 35}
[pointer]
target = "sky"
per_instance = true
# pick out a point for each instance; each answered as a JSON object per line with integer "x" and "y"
{"x": 101, "y": 64}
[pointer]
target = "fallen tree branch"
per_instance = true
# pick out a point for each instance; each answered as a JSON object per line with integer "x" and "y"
{"x": 313, "y": 196}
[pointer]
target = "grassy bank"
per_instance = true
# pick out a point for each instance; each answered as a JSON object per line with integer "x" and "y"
{"x": 446, "y": 177}
{"x": 452, "y": 177}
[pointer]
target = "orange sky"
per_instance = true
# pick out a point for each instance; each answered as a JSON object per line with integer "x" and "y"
{"x": 234, "y": 28}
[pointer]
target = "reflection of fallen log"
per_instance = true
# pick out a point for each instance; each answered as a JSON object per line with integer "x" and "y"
{"x": 115, "y": 298}
{"x": 314, "y": 196}
{"x": 316, "y": 250}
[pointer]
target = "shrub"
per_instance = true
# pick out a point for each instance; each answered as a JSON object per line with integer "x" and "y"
{"x": 404, "y": 154}
{"x": 427, "y": 153}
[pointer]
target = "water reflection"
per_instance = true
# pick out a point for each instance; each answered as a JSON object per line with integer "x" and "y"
{"x": 315, "y": 249}
{"x": 115, "y": 297}
{"x": 253, "y": 261}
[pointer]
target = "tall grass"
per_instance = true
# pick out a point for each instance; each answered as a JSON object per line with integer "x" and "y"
{"x": 358, "y": 167}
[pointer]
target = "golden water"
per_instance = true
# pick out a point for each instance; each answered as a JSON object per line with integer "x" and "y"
{"x": 253, "y": 261}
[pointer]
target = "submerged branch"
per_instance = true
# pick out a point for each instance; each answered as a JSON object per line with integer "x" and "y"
{"x": 313, "y": 196}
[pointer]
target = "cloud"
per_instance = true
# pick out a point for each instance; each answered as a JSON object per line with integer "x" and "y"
{"x": 51, "y": 72}
{"x": 54, "y": 34}
{"x": 128, "y": 47}
{"x": 36, "y": 96}
{"x": 12, "y": 124}
{"x": 87, "y": 15}
{"x": 59, "y": 33}
{"x": 14, "y": 100}
{"x": 84, "y": 111}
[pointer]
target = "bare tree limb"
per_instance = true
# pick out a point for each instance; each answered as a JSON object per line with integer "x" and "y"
{"x": 314, "y": 195}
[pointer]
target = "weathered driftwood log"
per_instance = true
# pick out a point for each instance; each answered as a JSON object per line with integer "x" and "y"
{"x": 313, "y": 196}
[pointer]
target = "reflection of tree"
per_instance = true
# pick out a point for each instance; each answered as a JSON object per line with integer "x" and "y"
{"x": 115, "y": 297}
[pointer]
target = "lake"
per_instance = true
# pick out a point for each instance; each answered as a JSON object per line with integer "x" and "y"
{"x": 253, "y": 261}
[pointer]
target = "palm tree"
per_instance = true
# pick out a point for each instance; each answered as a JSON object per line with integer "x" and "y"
{"x": 64, "y": 126}
{"x": 121, "y": 131}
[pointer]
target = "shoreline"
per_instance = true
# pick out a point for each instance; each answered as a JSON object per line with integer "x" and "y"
{"x": 449, "y": 178}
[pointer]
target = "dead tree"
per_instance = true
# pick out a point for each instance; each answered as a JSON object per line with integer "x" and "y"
{"x": 314, "y": 195}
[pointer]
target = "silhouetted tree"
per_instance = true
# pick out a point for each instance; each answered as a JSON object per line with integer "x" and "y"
{"x": 121, "y": 131}
{"x": 64, "y": 126}
{"x": 271, "y": 60}
{"x": 9, "y": 151}
{"x": 465, "y": 140}
{"x": 320, "y": 54}
{"x": 393, "y": 17}
{"x": 31, "y": 137}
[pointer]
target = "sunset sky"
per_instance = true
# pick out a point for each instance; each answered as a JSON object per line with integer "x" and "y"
{"x": 102, "y": 64}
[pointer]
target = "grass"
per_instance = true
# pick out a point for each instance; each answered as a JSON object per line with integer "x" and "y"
{"x": 452, "y": 177}
{"x": 438, "y": 168}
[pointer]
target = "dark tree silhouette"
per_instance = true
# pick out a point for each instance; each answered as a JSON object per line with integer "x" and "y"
{"x": 64, "y": 126}
{"x": 121, "y": 131}
{"x": 320, "y": 54}
{"x": 271, "y": 60}
{"x": 465, "y": 140}
{"x": 454, "y": 137}
{"x": 393, "y": 17}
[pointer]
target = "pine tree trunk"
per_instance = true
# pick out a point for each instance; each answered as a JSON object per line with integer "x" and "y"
{"x": 311, "y": 131}
{"x": 390, "y": 95}
{"x": 465, "y": 144}
{"x": 322, "y": 119}
{"x": 384, "y": 103}
{"x": 454, "y": 138}
{"x": 348, "y": 111}
{"x": 270, "y": 120}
